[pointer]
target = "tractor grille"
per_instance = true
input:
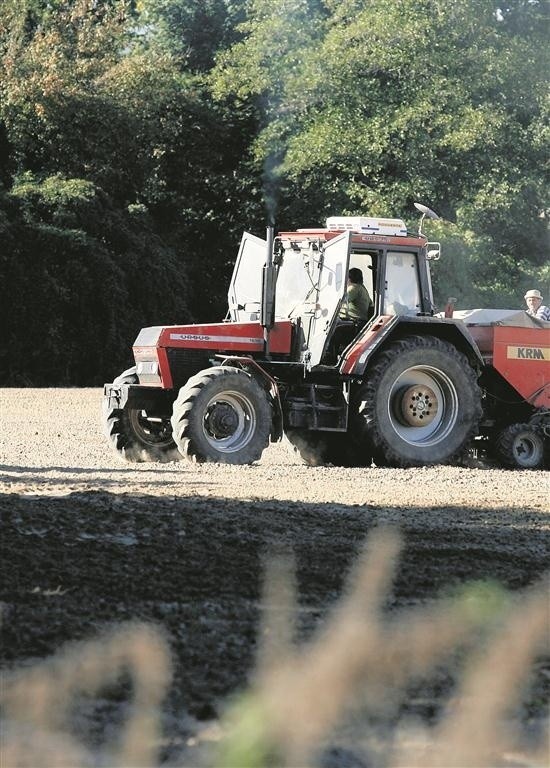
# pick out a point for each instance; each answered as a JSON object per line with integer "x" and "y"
{"x": 184, "y": 363}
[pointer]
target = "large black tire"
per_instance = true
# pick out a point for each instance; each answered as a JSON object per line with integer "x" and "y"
{"x": 318, "y": 448}
{"x": 420, "y": 404}
{"x": 222, "y": 415}
{"x": 520, "y": 446}
{"x": 138, "y": 435}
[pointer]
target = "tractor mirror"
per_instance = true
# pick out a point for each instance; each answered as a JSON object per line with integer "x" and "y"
{"x": 426, "y": 212}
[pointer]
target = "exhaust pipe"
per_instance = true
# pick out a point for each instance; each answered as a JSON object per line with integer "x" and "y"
{"x": 269, "y": 279}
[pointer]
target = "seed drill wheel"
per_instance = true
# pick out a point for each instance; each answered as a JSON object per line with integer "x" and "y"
{"x": 138, "y": 435}
{"x": 222, "y": 414}
{"x": 420, "y": 404}
{"x": 520, "y": 446}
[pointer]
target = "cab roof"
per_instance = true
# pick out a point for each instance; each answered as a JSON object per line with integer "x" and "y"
{"x": 357, "y": 238}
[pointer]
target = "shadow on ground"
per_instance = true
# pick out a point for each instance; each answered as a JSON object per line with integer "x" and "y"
{"x": 75, "y": 564}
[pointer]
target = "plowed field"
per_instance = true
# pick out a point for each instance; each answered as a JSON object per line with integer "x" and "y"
{"x": 89, "y": 542}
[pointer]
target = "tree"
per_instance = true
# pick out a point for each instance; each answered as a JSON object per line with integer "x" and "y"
{"x": 113, "y": 182}
{"x": 376, "y": 104}
{"x": 83, "y": 266}
{"x": 191, "y": 32}
{"x": 265, "y": 70}
{"x": 79, "y": 279}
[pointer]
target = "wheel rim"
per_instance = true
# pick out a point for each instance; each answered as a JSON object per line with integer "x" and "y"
{"x": 152, "y": 431}
{"x": 423, "y": 405}
{"x": 527, "y": 449}
{"x": 229, "y": 421}
{"x": 419, "y": 405}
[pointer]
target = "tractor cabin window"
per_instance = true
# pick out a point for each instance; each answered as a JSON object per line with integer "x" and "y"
{"x": 365, "y": 261}
{"x": 402, "y": 285}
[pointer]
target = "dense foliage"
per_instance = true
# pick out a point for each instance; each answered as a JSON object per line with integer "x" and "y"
{"x": 138, "y": 140}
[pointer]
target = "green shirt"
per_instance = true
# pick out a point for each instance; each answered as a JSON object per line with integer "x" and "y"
{"x": 357, "y": 304}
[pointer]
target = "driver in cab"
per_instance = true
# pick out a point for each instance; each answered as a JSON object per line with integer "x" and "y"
{"x": 357, "y": 302}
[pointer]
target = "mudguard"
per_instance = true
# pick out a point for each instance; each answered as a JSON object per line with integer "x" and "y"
{"x": 386, "y": 328}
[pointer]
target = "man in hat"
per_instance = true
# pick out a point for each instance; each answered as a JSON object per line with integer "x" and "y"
{"x": 535, "y": 307}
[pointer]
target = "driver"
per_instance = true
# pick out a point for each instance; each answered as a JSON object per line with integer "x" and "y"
{"x": 357, "y": 302}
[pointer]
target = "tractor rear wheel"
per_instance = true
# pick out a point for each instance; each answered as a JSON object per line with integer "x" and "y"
{"x": 420, "y": 404}
{"x": 520, "y": 446}
{"x": 222, "y": 415}
{"x": 136, "y": 434}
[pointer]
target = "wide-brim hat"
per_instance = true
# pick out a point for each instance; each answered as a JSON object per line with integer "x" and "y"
{"x": 533, "y": 295}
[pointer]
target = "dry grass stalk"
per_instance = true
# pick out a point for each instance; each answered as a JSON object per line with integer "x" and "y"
{"x": 361, "y": 656}
{"x": 300, "y": 712}
{"x": 37, "y": 701}
{"x": 279, "y": 592}
{"x": 475, "y": 730}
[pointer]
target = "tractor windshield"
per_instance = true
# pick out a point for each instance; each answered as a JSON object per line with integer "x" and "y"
{"x": 304, "y": 275}
{"x": 296, "y": 282}
{"x": 311, "y": 283}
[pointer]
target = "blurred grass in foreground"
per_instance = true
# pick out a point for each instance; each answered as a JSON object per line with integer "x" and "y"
{"x": 361, "y": 663}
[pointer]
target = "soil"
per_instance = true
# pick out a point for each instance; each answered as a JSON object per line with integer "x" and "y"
{"x": 89, "y": 542}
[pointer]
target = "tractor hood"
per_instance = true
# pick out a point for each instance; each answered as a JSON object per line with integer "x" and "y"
{"x": 222, "y": 337}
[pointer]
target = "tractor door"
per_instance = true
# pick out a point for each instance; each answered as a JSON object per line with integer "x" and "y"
{"x": 245, "y": 290}
{"x": 331, "y": 286}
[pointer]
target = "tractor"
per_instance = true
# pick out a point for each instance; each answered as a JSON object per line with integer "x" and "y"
{"x": 406, "y": 386}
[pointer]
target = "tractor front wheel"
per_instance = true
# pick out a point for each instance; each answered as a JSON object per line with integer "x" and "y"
{"x": 222, "y": 415}
{"x": 520, "y": 446}
{"x": 138, "y": 435}
{"x": 419, "y": 404}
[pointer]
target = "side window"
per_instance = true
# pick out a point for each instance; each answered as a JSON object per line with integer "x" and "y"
{"x": 402, "y": 284}
{"x": 364, "y": 262}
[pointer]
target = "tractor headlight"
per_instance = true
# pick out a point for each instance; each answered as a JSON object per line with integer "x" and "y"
{"x": 147, "y": 368}
{"x": 148, "y": 372}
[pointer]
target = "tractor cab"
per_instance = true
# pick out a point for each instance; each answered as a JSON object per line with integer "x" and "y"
{"x": 311, "y": 270}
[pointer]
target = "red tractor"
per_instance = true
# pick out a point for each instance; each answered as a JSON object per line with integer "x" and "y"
{"x": 406, "y": 387}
